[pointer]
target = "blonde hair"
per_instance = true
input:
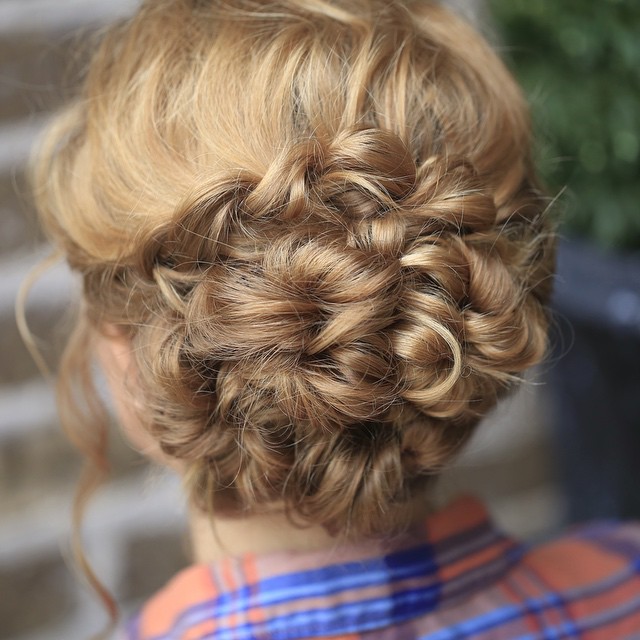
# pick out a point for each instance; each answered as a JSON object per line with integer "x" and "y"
{"x": 318, "y": 224}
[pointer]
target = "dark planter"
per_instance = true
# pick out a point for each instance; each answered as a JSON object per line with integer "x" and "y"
{"x": 595, "y": 381}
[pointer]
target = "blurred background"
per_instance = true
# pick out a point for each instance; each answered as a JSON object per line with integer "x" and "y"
{"x": 564, "y": 449}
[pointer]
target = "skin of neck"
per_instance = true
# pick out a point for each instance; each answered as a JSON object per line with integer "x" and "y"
{"x": 214, "y": 538}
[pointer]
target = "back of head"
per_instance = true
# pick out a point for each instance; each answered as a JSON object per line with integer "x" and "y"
{"x": 317, "y": 223}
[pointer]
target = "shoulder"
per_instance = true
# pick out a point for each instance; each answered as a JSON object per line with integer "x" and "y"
{"x": 184, "y": 605}
{"x": 590, "y": 576}
{"x": 585, "y": 553}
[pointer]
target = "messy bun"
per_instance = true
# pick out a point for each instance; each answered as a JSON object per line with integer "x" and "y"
{"x": 318, "y": 225}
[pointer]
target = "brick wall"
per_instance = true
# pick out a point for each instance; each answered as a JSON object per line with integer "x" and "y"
{"x": 135, "y": 528}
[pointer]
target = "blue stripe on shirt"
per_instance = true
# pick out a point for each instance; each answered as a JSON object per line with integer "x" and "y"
{"x": 505, "y": 615}
{"x": 410, "y": 563}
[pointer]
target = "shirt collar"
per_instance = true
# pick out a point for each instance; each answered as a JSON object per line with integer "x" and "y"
{"x": 352, "y": 589}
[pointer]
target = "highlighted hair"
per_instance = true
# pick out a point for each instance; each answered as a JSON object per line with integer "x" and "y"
{"x": 318, "y": 224}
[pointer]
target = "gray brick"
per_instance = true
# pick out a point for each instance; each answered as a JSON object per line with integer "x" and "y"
{"x": 34, "y": 595}
{"x": 35, "y": 73}
{"x": 43, "y": 461}
{"x": 54, "y": 16}
{"x": 150, "y": 561}
{"x": 16, "y": 364}
{"x": 19, "y": 230}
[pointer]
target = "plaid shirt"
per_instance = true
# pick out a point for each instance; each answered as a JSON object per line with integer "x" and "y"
{"x": 455, "y": 577}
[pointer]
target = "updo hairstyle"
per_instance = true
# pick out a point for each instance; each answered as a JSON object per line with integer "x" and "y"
{"x": 318, "y": 225}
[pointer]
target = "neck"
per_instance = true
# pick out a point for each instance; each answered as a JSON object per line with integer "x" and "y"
{"x": 214, "y": 539}
{"x": 220, "y": 537}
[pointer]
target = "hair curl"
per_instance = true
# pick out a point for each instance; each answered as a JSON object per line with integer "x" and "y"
{"x": 318, "y": 223}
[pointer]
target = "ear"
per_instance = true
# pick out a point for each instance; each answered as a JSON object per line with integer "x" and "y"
{"x": 113, "y": 351}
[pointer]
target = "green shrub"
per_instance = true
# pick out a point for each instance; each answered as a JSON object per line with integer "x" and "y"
{"x": 579, "y": 63}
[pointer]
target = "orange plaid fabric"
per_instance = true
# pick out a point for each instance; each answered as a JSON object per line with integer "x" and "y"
{"x": 455, "y": 578}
